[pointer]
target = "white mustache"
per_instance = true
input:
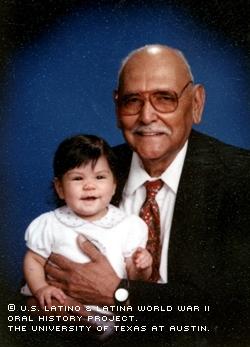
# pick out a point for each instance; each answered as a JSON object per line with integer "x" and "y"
{"x": 151, "y": 129}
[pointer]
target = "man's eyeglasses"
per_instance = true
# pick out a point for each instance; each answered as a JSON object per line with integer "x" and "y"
{"x": 165, "y": 101}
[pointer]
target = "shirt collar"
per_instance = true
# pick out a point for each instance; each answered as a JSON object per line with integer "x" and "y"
{"x": 171, "y": 176}
{"x": 67, "y": 217}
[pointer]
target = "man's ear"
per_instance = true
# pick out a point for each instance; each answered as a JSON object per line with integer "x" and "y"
{"x": 115, "y": 96}
{"x": 59, "y": 188}
{"x": 118, "y": 122}
{"x": 199, "y": 97}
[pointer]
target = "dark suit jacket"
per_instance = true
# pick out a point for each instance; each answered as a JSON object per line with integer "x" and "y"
{"x": 208, "y": 249}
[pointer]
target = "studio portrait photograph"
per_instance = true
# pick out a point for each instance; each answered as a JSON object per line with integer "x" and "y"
{"x": 125, "y": 173}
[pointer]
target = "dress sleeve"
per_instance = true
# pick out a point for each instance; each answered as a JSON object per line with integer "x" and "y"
{"x": 38, "y": 235}
{"x": 137, "y": 235}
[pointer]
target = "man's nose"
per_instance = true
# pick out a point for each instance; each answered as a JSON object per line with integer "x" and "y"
{"x": 147, "y": 113}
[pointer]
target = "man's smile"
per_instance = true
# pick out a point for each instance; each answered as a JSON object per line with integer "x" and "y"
{"x": 150, "y": 133}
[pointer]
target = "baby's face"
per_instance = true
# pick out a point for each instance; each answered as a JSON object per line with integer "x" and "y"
{"x": 88, "y": 189}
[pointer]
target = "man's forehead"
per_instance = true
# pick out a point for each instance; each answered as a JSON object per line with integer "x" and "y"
{"x": 150, "y": 77}
{"x": 160, "y": 69}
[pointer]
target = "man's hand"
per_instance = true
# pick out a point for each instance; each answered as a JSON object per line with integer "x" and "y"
{"x": 89, "y": 283}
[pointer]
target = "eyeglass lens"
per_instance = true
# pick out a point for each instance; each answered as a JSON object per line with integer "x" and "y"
{"x": 162, "y": 101}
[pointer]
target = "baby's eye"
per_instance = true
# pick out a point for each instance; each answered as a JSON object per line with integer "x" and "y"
{"x": 77, "y": 178}
{"x": 100, "y": 177}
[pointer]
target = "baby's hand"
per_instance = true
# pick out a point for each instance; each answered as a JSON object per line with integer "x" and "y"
{"x": 45, "y": 294}
{"x": 142, "y": 259}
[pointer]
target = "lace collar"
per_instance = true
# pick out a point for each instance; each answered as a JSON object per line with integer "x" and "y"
{"x": 67, "y": 217}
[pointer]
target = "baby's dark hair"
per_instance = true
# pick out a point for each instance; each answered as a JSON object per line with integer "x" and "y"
{"x": 81, "y": 149}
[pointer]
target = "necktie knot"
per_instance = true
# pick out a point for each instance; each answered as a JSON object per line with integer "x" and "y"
{"x": 153, "y": 187}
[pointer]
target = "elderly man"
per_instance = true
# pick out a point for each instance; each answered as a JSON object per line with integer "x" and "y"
{"x": 203, "y": 200}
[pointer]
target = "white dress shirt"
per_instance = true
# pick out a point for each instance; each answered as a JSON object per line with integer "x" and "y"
{"x": 134, "y": 195}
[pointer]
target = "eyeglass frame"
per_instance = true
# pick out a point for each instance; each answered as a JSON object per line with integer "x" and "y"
{"x": 177, "y": 97}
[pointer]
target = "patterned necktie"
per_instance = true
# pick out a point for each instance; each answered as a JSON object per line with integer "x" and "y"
{"x": 151, "y": 215}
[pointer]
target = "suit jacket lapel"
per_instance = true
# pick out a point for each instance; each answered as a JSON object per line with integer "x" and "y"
{"x": 196, "y": 204}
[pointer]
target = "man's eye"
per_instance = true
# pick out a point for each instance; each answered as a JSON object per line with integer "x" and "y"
{"x": 164, "y": 97}
{"x": 131, "y": 100}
